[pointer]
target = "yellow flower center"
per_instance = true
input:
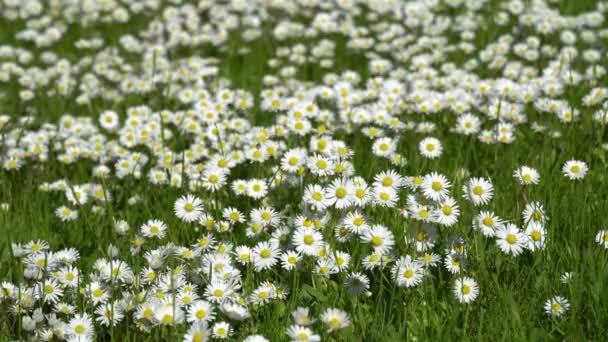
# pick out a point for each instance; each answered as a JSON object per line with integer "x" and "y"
{"x": 340, "y": 192}
{"x": 436, "y": 186}
{"x": 80, "y": 328}
{"x": 200, "y": 314}
{"x": 376, "y": 241}
{"x": 466, "y": 289}
{"x": 511, "y": 239}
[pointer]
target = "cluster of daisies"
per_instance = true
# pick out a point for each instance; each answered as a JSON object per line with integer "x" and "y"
{"x": 266, "y": 209}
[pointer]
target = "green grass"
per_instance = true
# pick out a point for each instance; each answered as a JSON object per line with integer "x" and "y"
{"x": 512, "y": 289}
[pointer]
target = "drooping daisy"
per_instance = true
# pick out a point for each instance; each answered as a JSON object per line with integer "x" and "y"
{"x": 188, "y": 208}
{"x": 466, "y": 290}
{"x": 510, "y": 239}
{"x": 557, "y": 306}
{"x": 575, "y": 169}
{"x": 356, "y": 283}
{"x": 602, "y": 238}
{"x": 535, "y": 212}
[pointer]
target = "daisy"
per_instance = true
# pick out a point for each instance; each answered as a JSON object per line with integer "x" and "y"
{"x": 429, "y": 259}
{"x": 316, "y": 197}
{"x": 76, "y": 195}
{"x": 466, "y": 290}
{"x": 379, "y": 237}
{"x": 537, "y": 236}
{"x": 355, "y": 222}
{"x": 154, "y": 228}
{"x": 575, "y": 169}
{"x": 602, "y": 238}
{"x": 534, "y": 212}
{"x": 423, "y": 236}
{"x": 188, "y": 208}
{"x": 435, "y": 186}
{"x": 80, "y": 328}
{"x": 338, "y": 193}
{"x": 320, "y": 166}
{"x": 361, "y": 192}
{"x": 308, "y": 241}
{"x": 293, "y": 160}
{"x": 557, "y": 306}
{"x": 447, "y": 212}
{"x": 198, "y": 332}
{"x": 335, "y": 319}
{"x": 388, "y": 179}
{"x": 526, "y": 175}
{"x": 301, "y": 316}
{"x": 510, "y": 239}
{"x": 265, "y": 255}
{"x": 51, "y": 291}
{"x": 214, "y": 179}
{"x": 289, "y": 260}
{"x": 299, "y": 333}
{"x": 487, "y": 222}
{"x": 430, "y": 147}
{"x": 257, "y": 188}
{"x": 109, "y": 314}
{"x": 478, "y": 190}
{"x": 265, "y": 216}
{"x": 221, "y": 330}
{"x": 218, "y": 291}
{"x": 454, "y": 262}
{"x": 200, "y": 311}
{"x": 407, "y": 273}
{"x": 385, "y": 197}
{"x": 383, "y": 147}
{"x": 233, "y": 215}
{"x": 66, "y": 214}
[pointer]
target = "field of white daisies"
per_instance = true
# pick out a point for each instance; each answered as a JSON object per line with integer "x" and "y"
{"x": 303, "y": 170}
